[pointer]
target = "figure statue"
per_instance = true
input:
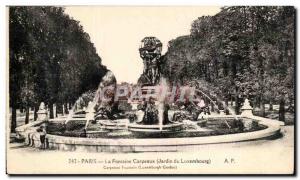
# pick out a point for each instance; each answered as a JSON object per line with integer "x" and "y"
{"x": 150, "y": 112}
{"x": 105, "y": 106}
{"x": 150, "y": 52}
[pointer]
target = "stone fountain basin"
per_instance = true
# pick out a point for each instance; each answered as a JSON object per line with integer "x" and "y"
{"x": 156, "y": 128}
{"x": 150, "y": 144}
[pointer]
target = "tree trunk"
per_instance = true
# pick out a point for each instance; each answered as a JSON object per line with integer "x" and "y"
{"x": 27, "y": 115}
{"x": 66, "y": 108}
{"x": 262, "y": 108}
{"x": 237, "y": 104}
{"x": 255, "y": 103}
{"x": 271, "y": 106}
{"x": 61, "y": 109}
{"x": 281, "y": 110}
{"x": 13, "y": 124}
{"x": 231, "y": 100}
{"x": 36, "y": 108}
{"x": 21, "y": 109}
{"x": 56, "y": 111}
{"x": 70, "y": 105}
{"x": 261, "y": 85}
{"x": 51, "y": 111}
{"x": 212, "y": 107}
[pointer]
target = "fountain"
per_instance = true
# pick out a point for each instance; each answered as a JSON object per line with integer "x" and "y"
{"x": 154, "y": 98}
{"x": 160, "y": 118}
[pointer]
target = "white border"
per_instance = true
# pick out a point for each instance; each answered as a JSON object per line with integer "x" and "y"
{"x": 3, "y": 33}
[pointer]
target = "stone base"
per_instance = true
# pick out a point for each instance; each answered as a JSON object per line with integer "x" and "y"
{"x": 42, "y": 116}
{"x": 247, "y": 112}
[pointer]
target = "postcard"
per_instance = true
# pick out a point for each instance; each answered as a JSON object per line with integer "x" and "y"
{"x": 151, "y": 90}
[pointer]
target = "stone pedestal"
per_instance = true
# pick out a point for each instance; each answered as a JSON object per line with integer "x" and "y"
{"x": 246, "y": 109}
{"x": 222, "y": 112}
{"x": 42, "y": 114}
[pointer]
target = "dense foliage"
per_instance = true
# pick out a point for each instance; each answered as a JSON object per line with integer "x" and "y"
{"x": 51, "y": 59}
{"x": 240, "y": 52}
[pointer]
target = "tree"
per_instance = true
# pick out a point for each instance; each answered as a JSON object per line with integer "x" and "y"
{"x": 245, "y": 51}
{"x": 52, "y": 59}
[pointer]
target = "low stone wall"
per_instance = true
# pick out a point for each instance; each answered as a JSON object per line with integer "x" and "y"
{"x": 154, "y": 144}
{"x": 22, "y": 131}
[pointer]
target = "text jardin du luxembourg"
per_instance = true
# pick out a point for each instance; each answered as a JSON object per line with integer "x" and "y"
{"x": 157, "y": 161}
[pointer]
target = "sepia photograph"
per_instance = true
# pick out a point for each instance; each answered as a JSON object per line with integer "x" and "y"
{"x": 151, "y": 90}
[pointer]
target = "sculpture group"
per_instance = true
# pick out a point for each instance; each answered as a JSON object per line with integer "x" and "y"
{"x": 150, "y": 52}
{"x": 152, "y": 111}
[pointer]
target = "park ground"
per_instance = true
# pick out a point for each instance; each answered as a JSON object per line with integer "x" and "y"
{"x": 272, "y": 155}
{"x": 260, "y": 156}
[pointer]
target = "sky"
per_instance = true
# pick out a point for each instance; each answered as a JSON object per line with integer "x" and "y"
{"x": 117, "y": 31}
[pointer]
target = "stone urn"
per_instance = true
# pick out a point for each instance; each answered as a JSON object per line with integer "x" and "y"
{"x": 247, "y": 109}
{"x": 42, "y": 114}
